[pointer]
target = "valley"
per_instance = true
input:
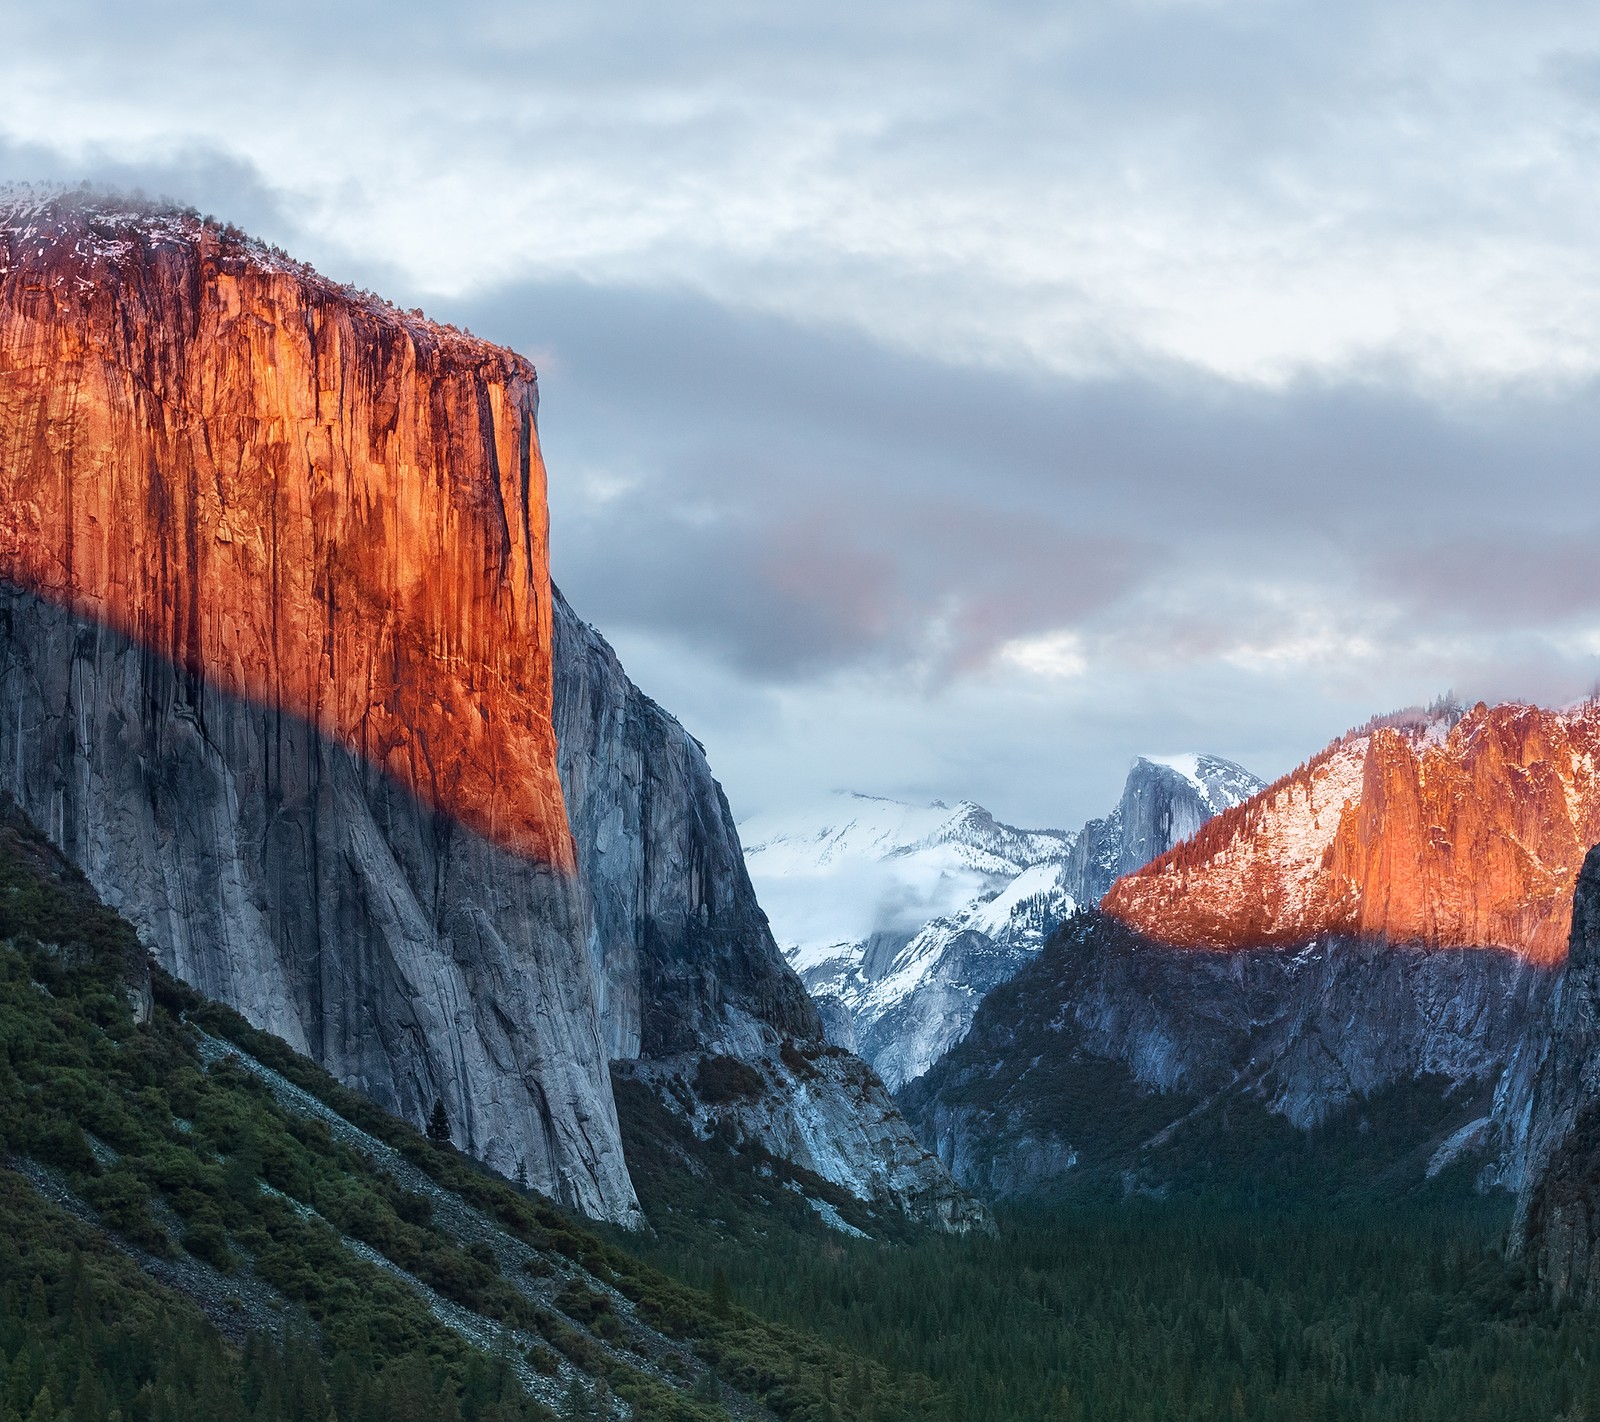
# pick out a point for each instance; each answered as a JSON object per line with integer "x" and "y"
{"x": 398, "y": 1021}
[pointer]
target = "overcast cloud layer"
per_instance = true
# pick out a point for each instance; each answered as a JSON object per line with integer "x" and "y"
{"x": 953, "y": 399}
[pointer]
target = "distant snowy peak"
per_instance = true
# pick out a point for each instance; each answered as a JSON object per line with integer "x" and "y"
{"x": 1220, "y": 783}
{"x": 900, "y": 918}
{"x": 1165, "y": 800}
{"x": 853, "y": 827}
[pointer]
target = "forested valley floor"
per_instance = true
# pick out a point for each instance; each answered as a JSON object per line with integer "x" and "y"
{"x": 1128, "y": 1312}
{"x": 1213, "y": 1305}
{"x": 196, "y": 1223}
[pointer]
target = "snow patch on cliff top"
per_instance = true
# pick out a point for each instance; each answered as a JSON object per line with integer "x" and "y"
{"x": 1188, "y": 766}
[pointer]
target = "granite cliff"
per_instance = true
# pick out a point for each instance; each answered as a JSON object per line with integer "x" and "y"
{"x": 1443, "y": 829}
{"x": 696, "y": 1001}
{"x": 1559, "y": 1207}
{"x": 1163, "y": 803}
{"x": 1390, "y": 918}
{"x": 1111, "y": 1054}
{"x": 275, "y": 652}
{"x": 279, "y": 670}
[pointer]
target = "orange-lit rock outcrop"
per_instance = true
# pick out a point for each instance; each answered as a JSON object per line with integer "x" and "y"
{"x": 295, "y": 492}
{"x": 1415, "y": 832}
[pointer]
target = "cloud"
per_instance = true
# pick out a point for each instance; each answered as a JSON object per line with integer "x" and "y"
{"x": 1253, "y": 190}
{"x": 208, "y": 178}
{"x": 959, "y": 398}
{"x": 805, "y": 500}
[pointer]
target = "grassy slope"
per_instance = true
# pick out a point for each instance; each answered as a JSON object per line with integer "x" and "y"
{"x": 315, "y": 1220}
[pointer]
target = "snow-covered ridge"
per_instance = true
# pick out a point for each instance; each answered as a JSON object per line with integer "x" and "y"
{"x": 900, "y": 918}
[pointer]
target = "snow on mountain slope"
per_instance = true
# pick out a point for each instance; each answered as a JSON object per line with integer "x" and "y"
{"x": 1448, "y": 828}
{"x": 900, "y": 918}
{"x": 1165, "y": 800}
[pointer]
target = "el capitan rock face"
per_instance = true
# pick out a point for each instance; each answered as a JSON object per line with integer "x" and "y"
{"x": 299, "y": 496}
{"x": 278, "y": 669}
{"x": 275, "y": 668}
{"x": 1428, "y": 830}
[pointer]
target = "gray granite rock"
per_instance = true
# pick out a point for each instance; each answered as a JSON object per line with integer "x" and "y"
{"x": 687, "y": 966}
{"x": 282, "y": 875}
{"x": 1106, "y": 1021}
{"x": 1558, "y": 1208}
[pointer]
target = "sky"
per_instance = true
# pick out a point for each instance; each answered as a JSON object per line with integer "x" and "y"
{"x": 957, "y": 400}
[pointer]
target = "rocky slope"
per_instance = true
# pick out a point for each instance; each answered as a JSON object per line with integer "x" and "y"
{"x": 1104, "y": 1051}
{"x": 900, "y": 918}
{"x": 277, "y": 669}
{"x": 1439, "y": 829}
{"x": 1390, "y": 917}
{"x": 180, "y": 1177}
{"x": 1559, "y": 1208}
{"x": 696, "y": 1001}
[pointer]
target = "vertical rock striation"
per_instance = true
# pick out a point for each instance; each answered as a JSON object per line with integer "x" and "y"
{"x": 1559, "y": 1207}
{"x": 275, "y": 651}
{"x": 279, "y": 668}
{"x": 696, "y": 999}
{"x": 297, "y": 495}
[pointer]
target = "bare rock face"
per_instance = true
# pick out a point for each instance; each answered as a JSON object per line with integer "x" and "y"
{"x": 1559, "y": 1207}
{"x": 1110, "y": 1043}
{"x": 291, "y": 879}
{"x": 275, "y": 653}
{"x": 1429, "y": 829}
{"x": 299, "y": 496}
{"x": 683, "y": 949}
{"x": 1164, "y": 802}
{"x": 1393, "y": 914}
{"x": 278, "y": 671}
{"x": 696, "y": 999}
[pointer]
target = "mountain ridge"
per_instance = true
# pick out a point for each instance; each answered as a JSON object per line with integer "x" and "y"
{"x": 927, "y": 908}
{"x": 1447, "y": 827}
{"x": 1377, "y": 921}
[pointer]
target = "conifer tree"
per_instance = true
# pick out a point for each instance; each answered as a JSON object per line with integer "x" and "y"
{"x": 438, "y": 1123}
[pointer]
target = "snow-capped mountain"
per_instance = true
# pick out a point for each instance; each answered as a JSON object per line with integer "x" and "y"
{"x": 900, "y": 918}
{"x": 1164, "y": 800}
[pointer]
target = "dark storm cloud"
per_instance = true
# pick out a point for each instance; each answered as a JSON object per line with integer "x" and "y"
{"x": 800, "y": 499}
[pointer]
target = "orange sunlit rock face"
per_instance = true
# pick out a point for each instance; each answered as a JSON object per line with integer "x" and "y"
{"x": 1413, "y": 832}
{"x": 295, "y": 492}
